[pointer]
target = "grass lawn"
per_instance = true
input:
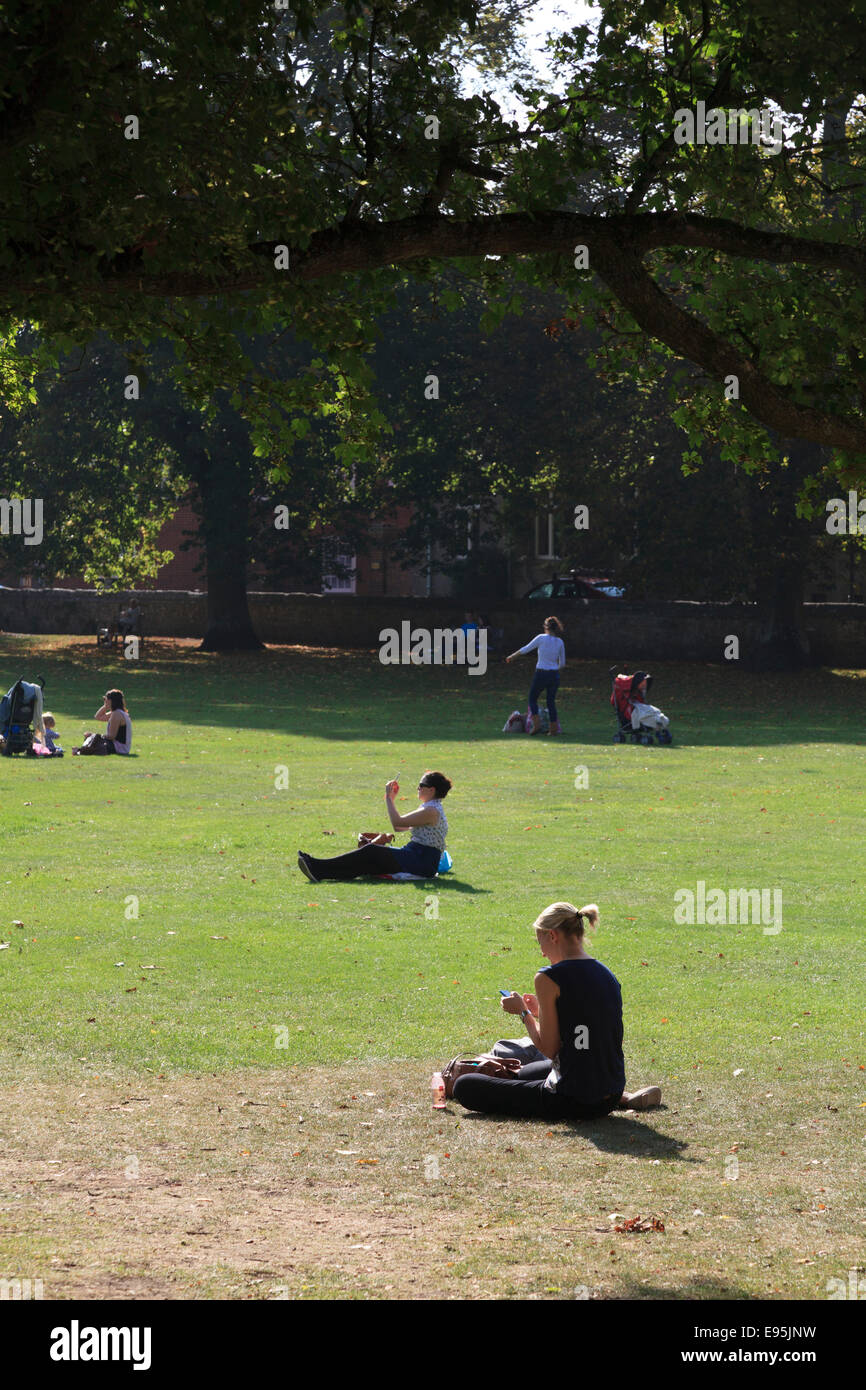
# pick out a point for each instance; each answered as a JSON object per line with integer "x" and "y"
{"x": 216, "y": 1073}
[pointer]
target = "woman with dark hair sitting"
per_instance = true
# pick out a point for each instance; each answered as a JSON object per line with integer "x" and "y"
{"x": 422, "y": 854}
{"x": 118, "y": 736}
{"x": 575, "y": 1019}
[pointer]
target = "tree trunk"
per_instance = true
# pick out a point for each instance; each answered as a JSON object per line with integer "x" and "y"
{"x": 782, "y": 644}
{"x": 222, "y": 475}
{"x": 780, "y": 572}
{"x": 229, "y": 625}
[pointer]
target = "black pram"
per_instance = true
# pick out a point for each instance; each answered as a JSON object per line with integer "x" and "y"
{"x": 20, "y": 708}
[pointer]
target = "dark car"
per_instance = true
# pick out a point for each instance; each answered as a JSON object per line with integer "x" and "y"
{"x": 575, "y": 588}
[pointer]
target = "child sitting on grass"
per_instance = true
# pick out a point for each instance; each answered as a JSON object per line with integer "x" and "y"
{"x": 46, "y": 740}
{"x": 50, "y": 736}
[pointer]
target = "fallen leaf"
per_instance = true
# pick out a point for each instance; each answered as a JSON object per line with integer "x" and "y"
{"x": 637, "y": 1224}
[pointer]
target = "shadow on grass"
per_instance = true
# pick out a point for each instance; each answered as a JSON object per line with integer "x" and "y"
{"x": 616, "y": 1133}
{"x": 427, "y": 885}
{"x": 698, "y": 1289}
{"x": 347, "y": 696}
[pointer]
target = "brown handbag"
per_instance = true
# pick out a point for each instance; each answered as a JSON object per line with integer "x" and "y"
{"x": 374, "y": 837}
{"x": 484, "y": 1065}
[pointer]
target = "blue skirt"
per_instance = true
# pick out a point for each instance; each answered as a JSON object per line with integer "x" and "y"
{"x": 416, "y": 858}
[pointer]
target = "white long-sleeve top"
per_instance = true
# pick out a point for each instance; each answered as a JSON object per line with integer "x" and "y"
{"x": 551, "y": 651}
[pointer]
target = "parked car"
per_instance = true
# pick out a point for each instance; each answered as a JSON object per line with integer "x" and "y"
{"x": 574, "y": 588}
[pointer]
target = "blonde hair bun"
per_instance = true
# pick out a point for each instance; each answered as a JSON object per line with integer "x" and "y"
{"x": 567, "y": 918}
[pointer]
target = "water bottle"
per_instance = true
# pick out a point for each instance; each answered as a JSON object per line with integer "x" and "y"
{"x": 437, "y": 1091}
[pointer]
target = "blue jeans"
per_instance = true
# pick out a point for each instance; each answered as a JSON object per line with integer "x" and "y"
{"x": 549, "y": 681}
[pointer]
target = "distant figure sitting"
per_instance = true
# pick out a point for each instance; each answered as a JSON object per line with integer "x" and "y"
{"x": 50, "y": 739}
{"x": 422, "y": 854}
{"x": 118, "y": 736}
{"x": 129, "y": 619}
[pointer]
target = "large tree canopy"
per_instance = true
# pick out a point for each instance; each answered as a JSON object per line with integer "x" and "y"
{"x": 156, "y": 157}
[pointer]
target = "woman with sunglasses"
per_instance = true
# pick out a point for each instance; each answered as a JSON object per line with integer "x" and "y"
{"x": 422, "y": 854}
{"x": 574, "y": 1019}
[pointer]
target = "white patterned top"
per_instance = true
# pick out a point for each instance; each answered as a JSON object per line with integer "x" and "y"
{"x": 433, "y": 835}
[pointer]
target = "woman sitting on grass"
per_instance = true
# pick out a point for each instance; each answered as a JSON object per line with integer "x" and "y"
{"x": 575, "y": 1019}
{"x": 422, "y": 854}
{"x": 118, "y": 736}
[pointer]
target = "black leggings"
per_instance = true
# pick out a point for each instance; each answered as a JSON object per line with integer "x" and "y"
{"x": 378, "y": 859}
{"x": 524, "y": 1097}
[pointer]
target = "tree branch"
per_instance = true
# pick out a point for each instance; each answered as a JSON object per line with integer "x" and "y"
{"x": 659, "y": 316}
{"x": 616, "y": 245}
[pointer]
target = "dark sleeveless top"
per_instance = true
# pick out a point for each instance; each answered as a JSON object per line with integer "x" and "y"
{"x": 590, "y": 1065}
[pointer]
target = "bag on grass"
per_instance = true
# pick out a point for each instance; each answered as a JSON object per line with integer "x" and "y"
{"x": 485, "y": 1065}
{"x": 522, "y": 1048}
{"x": 97, "y": 745}
{"x": 514, "y": 724}
{"x": 543, "y": 720}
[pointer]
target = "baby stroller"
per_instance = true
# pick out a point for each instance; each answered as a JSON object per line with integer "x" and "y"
{"x": 20, "y": 708}
{"x": 625, "y": 692}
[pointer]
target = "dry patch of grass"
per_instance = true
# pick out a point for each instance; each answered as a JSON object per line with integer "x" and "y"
{"x": 342, "y": 1182}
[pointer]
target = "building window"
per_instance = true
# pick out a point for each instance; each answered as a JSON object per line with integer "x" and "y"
{"x": 544, "y": 536}
{"x": 468, "y": 530}
{"x": 338, "y": 569}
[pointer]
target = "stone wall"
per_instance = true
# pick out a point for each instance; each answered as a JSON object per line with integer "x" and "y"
{"x": 609, "y": 629}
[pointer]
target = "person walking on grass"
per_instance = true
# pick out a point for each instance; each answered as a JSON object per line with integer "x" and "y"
{"x": 551, "y": 660}
{"x": 422, "y": 854}
{"x": 575, "y": 1019}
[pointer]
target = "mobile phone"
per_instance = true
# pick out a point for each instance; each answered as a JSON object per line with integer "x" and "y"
{"x": 505, "y": 993}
